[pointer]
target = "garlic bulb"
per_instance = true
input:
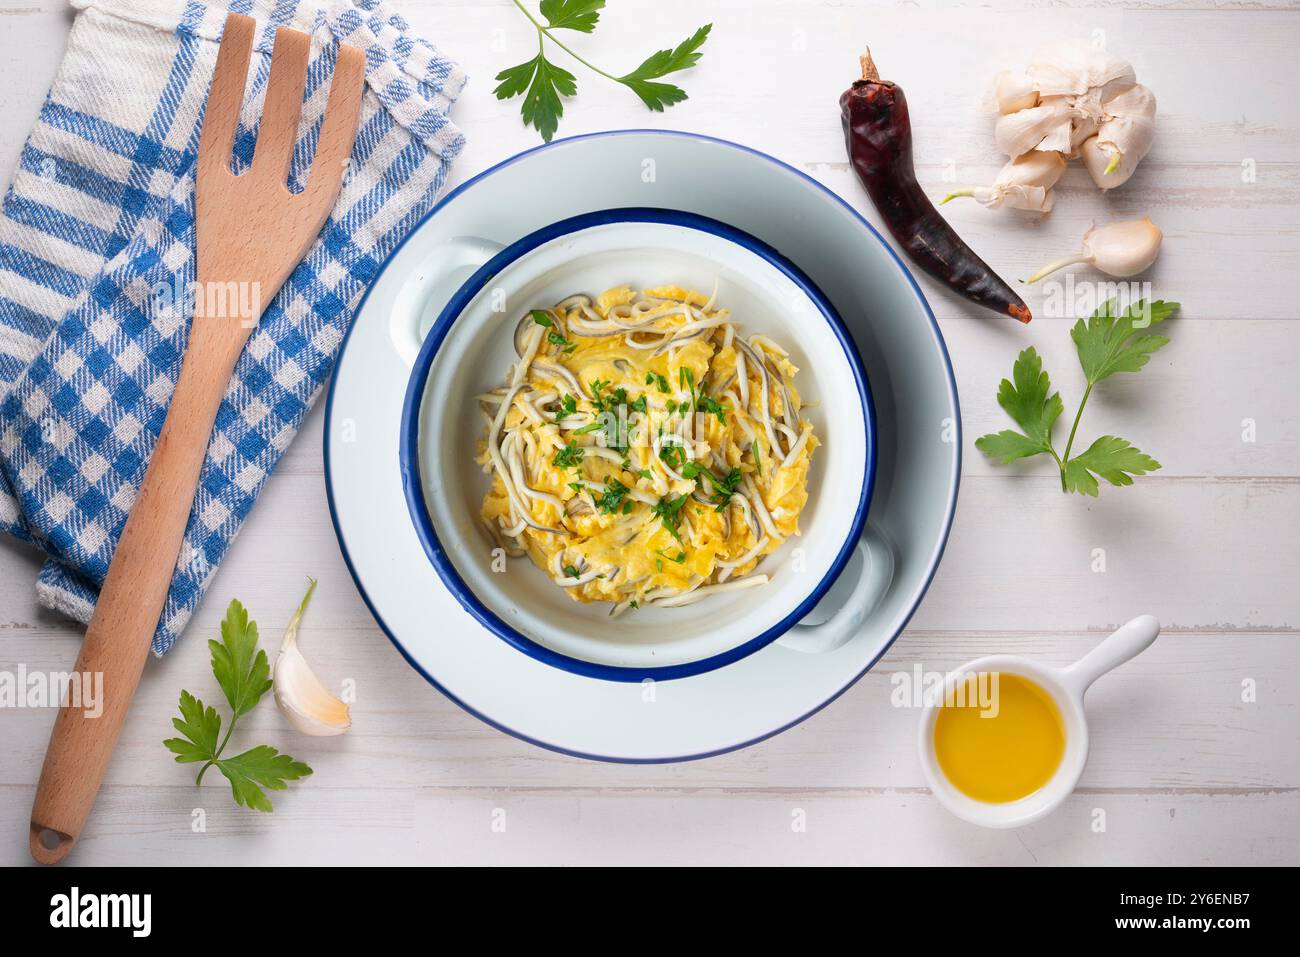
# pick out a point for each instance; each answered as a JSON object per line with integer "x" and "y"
{"x": 1024, "y": 183}
{"x": 301, "y": 697}
{"x": 1077, "y": 100}
{"x": 1119, "y": 249}
{"x": 1122, "y": 139}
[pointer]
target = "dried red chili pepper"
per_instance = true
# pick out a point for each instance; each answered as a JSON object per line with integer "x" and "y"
{"x": 878, "y": 134}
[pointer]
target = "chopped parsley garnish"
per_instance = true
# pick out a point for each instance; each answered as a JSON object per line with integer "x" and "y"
{"x": 569, "y": 457}
{"x": 722, "y": 488}
{"x": 541, "y": 318}
{"x": 660, "y": 382}
{"x": 669, "y": 512}
{"x": 707, "y": 404}
{"x": 679, "y": 558}
{"x": 589, "y": 427}
{"x": 640, "y": 404}
{"x": 555, "y": 339}
{"x": 571, "y": 571}
{"x": 568, "y": 407}
{"x": 674, "y": 456}
{"x": 758, "y": 460}
{"x": 612, "y": 499}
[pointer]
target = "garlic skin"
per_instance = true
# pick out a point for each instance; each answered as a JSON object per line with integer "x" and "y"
{"x": 1079, "y": 101}
{"x": 1075, "y": 67}
{"x": 1121, "y": 249}
{"x": 1023, "y": 183}
{"x": 1123, "y": 138}
{"x": 299, "y": 693}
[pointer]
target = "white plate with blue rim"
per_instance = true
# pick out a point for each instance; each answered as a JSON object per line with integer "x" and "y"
{"x": 733, "y": 674}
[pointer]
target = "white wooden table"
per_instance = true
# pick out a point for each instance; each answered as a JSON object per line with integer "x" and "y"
{"x": 1185, "y": 770}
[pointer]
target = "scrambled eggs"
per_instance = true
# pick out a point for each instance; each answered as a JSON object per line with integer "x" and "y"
{"x": 642, "y": 451}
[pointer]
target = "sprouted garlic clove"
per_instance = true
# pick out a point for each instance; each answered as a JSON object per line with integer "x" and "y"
{"x": 1118, "y": 249}
{"x": 299, "y": 693}
{"x": 1123, "y": 138}
{"x": 1023, "y": 183}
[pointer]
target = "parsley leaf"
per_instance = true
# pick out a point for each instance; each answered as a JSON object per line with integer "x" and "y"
{"x": 660, "y": 63}
{"x": 240, "y": 666}
{"x": 580, "y": 15}
{"x": 1029, "y": 400}
{"x": 241, "y": 670}
{"x": 545, "y": 84}
{"x": 261, "y": 767}
{"x": 200, "y": 726}
{"x": 1107, "y": 342}
{"x": 1111, "y": 458}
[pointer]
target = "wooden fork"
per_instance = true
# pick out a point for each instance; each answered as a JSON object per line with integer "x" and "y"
{"x": 249, "y": 229}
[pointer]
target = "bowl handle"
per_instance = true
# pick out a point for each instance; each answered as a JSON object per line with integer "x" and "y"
{"x": 875, "y": 574}
{"x": 426, "y": 292}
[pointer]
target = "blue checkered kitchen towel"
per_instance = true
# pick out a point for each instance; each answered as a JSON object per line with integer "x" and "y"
{"x": 100, "y": 217}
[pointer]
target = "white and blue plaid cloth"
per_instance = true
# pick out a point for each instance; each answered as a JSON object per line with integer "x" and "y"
{"x": 100, "y": 217}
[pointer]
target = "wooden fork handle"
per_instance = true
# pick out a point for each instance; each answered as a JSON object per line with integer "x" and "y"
{"x": 130, "y": 603}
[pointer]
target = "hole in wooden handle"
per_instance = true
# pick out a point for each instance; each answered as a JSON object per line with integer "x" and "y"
{"x": 49, "y": 846}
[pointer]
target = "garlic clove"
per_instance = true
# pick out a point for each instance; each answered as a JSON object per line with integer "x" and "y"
{"x": 1014, "y": 92}
{"x": 1085, "y": 128}
{"x": 1124, "y": 249}
{"x": 1020, "y": 132}
{"x": 299, "y": 693}
{"x": 1023, "y": 183}
{"x": 1121, "y": 249}
{"x": 1123, "y": 139}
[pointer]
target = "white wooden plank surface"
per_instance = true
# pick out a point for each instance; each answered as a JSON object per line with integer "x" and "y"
{"x": 1185, "y": 770}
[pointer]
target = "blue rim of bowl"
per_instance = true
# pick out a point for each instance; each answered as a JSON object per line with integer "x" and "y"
{"x": 413, "y": 480}
{"x": 936, "y": 555}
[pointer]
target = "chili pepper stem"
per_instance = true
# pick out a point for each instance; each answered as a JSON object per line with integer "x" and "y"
{"x": 956, "y": 193}
{"x": 869, "y": 71}
{"x": 1058, "y": 264}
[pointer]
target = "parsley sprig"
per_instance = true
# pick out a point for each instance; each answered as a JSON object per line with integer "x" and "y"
{"x": 244, "y": 674}
{"x": 1107, "y": 342}
{"x": 544, "y": 85}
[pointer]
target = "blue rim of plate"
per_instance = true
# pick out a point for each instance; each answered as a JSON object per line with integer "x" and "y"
{"x": 935, "y": 557}
{"x": 413, "y": 480}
